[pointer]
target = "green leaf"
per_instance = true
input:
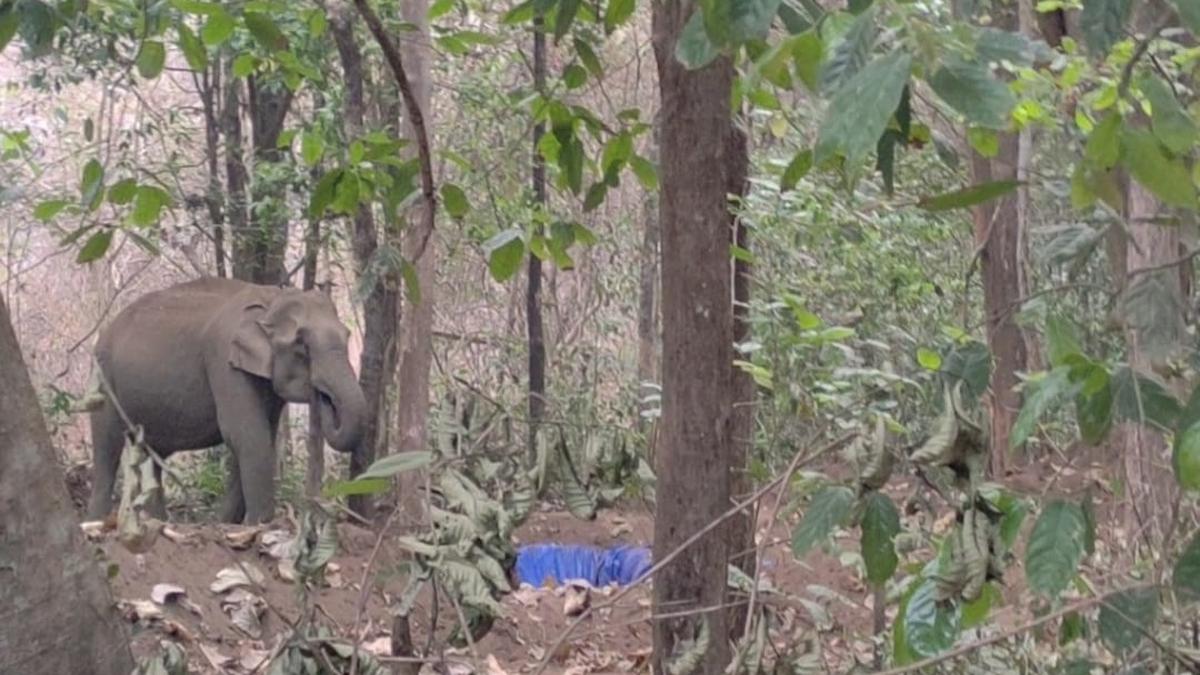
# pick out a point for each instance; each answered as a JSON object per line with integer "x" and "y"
{"x": 148, "y": 204}
{"x": 829, "y": 508}
{"x": 439, "y": 9}
{"x": 595, "y": 196}
{"x": 1186, "y": 577}
{"x": 1102, "y": 23}
{"x": 345, "y": 488}
{"x": 265, "y": 31}
{"x": 455, "y": 200}
{"x": 1094, "y": 405}
{"x": 192, "y": 48}
{"x": 617, "y": 13}
{"x": 95, "y": 247}
{"x": 567, "y": 9}
{"x": 244, "y": 64}
{"x": 1055, "y": 548}
{"x": 574, "y": 76}
{"x": 796, "y": 169}
{"x": 1126, "y": 618}
{"x": 151, "y": 58}
{"x": 1061, "y": 342}
{"x": 1142, "y": 399}
{"x": 10, "y": 20}
{"x": 91, "y": 186}
{"x": 930, "y": 627}
{"x": 616, "y": 153}
{"x": 851, "y": 54}
{"x": 1189, "y": 11}
{"x": 1040, "y": 397}
{"x": 218, "y": 29}
{"x": 995, "y": 45}
{"x": 1185, "y": 458}
{"x": 401, "y": 462}
{"x": 123, "y": 191}
{"x": 862, "y": 108}
{"x": 47, "y": 210}
{"x": 975, "y": 613}
{"x": 880, "y": 525}
{"x": 984, "y": 141}
{"x": 504, "y": 252}
{"x": 970, "y": 89}
{"x": 194, "y": 7}
{"x": 808, "y": 50}
{"x": 312, "y": 147}
{"x": 929, "y": 359}
{"x": 694, "y": 49}
{"x": 968, "y": 196}
{"x": 646, "y": 174}
{"x": 734, "y": 22}
{"x": 322, "y": 195}
{"x": 1166, "y": 177}
{"x": 588, "y": 56}
{"x": 1170, "y": 123}
{"x": 570, "y": 161}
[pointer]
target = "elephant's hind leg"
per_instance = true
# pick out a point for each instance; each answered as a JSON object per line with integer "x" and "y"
{"x": 233, "y": 505}
{"x": 107, "y": 443}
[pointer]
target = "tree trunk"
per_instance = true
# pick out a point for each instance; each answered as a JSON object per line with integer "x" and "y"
{"x": 56, "y": 611}
{"x": 210, "y": 88}
{"x": 694, "y": 461}
{"x": 416, "y": 343}
{"x": 269, "y": 105}
{"x": 380, "y": 307}
{"x": 648, "y": 352}
{"x": 314, "y": 442}
{"x": 236, "y": 214}
{"x": 533, "y": 284}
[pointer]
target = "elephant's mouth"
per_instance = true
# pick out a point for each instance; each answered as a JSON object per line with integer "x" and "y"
{"x": 331, "y": 417}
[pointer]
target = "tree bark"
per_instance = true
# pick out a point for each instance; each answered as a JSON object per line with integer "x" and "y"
{"x": 214, "y": 199}
{"x": 236, "y": 214}
{"x": 380, "y": 307}
{"x": 56, "y": 611}
{"x": 648, "y": 345}
{"x": 269, "y": 105}
{"x": 416, "y": 343}
{"x": 694, "y": 461}
{"x": 533, "y": 283}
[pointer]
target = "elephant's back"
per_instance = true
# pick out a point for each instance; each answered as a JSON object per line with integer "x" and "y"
{"x": 183, "y": 310}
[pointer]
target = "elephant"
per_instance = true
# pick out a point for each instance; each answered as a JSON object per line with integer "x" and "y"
{"x": 215, "y": 360}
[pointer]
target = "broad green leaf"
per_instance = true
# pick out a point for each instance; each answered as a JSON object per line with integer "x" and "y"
{"x": 455, "y": 200}
{"x": 984, "y": 141}
{"x": 1190, "y": 414}
{"x": 851, "y": 54}
{"x": 123, "y": 191}
{"x": 322, "y": 194}
{"x": 617, "y": 13}
{"x": 930, "y": 627}
{"x": 734, "y": 22}
{"x": 244, "y": 64}
{"x": 1061, "y": 342}
{"x": 574, "y": 76}
{"x": 504, "y": 252}
{"x": 861, "y": 109}
{"x": 439, "y": 9}
{"x": 995, "y": 45}
{"x": 1127, "y": 617}
{"x": 829, "y": 508}
{"x": 796, "y": 169}
{"x": 970, "y": 89}
{"x": 588, "y": 56}
{"x": 1170, "y": 123}
{"x": 194, "y": 7}
{"x": 807, "y": 53}
{"x": 10, "y": 20}
{"x": 91, "y": 186}
{"x": 38, "y": 25}
{"x": 645, "y": 171}
{"x": 968, "y": 196}
{"x": 929, "y": 359}
{"x": 694, "y": 49}
{"x": 616, "y": 152}
{"x": 1040, "y": 397}
{"x": 880, "y": 525}
{"x": 95, "y": 247}
{"x": 386, "y": 467}
{"x": 1185, "y": 458}
{"x": 312, "y": 147}
{"x": 151, "y": 58}
{"x": 45, "y": 211}
{"x": 799, "y": 15}
{"x": 1189, "y": 11}
{"x": 345, "y": 488}
{"x": 1074, "y": 627}
{"x": 570, "y": 161}
{"x": 595, "y": 196}
{"x": 217, "y": 29}
{"x": 1094, "y": 405}
{"x": 1168, "y": 178}
{"x": 1055, "y": 548}
{"x": 192, "y": 48}
{"x": 567, "y": 9}
{"x": 1103, "y": 23}
{"x": 1142, "y": 399}
{"x": 975, "y": 613}
{"x": 1186, "y": 577}
{"x": 970, "y": 363}
{"x": 148, "y": 204}
{"x": 264, "y": 30}
{"x": 1071, "y": 242}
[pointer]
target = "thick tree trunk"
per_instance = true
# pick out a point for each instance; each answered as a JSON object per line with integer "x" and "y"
{"x": 236, "y": 213}
{"x": 694, "y": 460}
{"x": 56, "y": 611}
{"x": 416, "y": 343}
{"x": 380, "y": 308}
{"x": 533, "y": 283}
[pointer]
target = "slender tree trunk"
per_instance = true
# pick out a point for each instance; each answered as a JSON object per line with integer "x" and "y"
{"x": 694, "y": 460}
{"x": 648, "y": 352}
{"x": 416, "y": 351}
{"x": 236, "y": 214}
{"x": 269, "y": 105}
{"x": 210, "y": 90}
{"x": 380, "y": 307}
{"x": 533, "y": 284}
{"x": 56, "y": 611}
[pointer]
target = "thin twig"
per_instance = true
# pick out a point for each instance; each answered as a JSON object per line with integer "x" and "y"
{"x": 365, "y": 587}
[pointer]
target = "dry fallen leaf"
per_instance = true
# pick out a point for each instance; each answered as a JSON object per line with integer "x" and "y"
{"x": 244, "y": 609}
{"x": 93, "y": 529}
{"x": 279, "y": 544}
{"x": 164, "y": 593}
{"x": 234, "y": 576}
{"x": 240, "y": 539}
{"x": 493, "y": 666}
{"x": 177, "y": 631}
{"x": 380, "y": 646}
{"x": 175, "y": 535}
{"x": 577, "y": 599}
{"x": 527, "y": 595}
{"x": 253, "y": 659}
{"x": 139, "y": 610}
{"x": 215, "y": 658}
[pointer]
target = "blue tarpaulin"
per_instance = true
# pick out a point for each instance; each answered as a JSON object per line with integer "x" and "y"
{"x": 539, "y": 564}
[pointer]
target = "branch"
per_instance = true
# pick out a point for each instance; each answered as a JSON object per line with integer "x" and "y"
{"x": 1185, "y": 258}
{"x": 415, "y": 117}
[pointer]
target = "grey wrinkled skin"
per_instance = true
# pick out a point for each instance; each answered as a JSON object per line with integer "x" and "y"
{"x": 215, "y": 360}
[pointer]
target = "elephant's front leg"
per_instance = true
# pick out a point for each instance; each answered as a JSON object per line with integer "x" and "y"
{"x": 244, "y": 418}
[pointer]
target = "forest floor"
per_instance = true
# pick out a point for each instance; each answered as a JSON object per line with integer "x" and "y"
{"x": 821, "y": 604}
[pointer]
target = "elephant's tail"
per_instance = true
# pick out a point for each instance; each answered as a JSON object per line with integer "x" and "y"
{"x": 93, "y": 399}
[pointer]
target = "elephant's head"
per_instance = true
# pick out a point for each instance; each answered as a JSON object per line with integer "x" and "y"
{"x": 295, "y": 340}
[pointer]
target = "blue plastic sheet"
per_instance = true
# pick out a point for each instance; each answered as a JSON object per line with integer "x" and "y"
{"x": 539, "y": 564}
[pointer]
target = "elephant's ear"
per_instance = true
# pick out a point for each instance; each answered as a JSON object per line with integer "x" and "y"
{"x": 250, "y": 350}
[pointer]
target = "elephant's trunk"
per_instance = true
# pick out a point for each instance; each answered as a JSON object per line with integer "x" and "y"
{"x": 341, "y": 404}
